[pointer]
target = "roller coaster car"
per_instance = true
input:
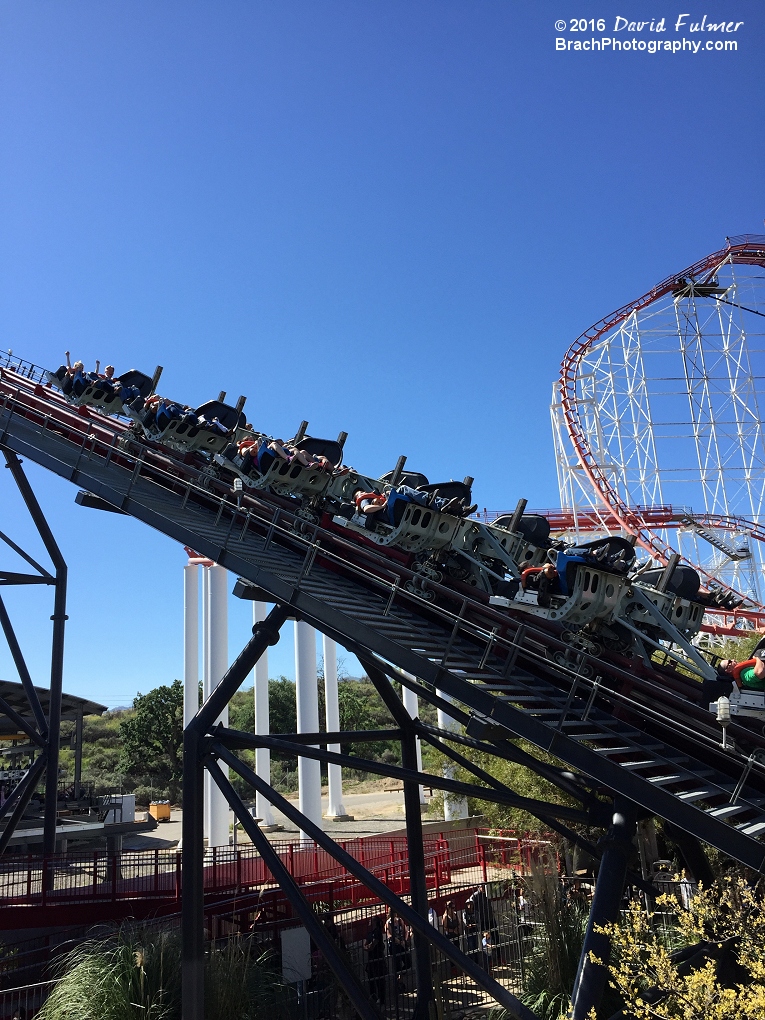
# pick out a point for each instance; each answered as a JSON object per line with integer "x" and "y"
{"x": 146, "y": 416}
{"x": 183, "y": 435}
{"x": 570, "y": 596}
{"x": 590, "y": 594}
{"x": 414, "y": 528}
{"x": 680, "y": 602}
{"x": 106, "y": 397}
{"x": 534, "y": 528}
{"x": 109, "y": 398}
{"x": 295, "y": 479}
{"x": 684, "y": 582}
{"x": 288, "y": 478}
{"x": 530, "y": 540}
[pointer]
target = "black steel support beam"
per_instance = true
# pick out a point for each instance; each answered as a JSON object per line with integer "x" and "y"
{"x": 18, "y": 800}
{"x": 54, "y": 709}
{"x": 418, "y": 887}
{"x": 300, "y": 904}
{"x": 57, "y": 652}
{"x": 8, "y": 577}
{"x": 21, "y": 668}
{"x": 609, "y": 888}
{"x": 192, "y": 863}
{"x": 238, "y": 740}
{"x": 383, "y": 893}
{"x": 21, "y": 722}
{"x": 340, "y": 736}
{"x": 417, "y": 881}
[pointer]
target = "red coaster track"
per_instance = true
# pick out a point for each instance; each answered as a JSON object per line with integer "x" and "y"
{"x": 644, "y": 522}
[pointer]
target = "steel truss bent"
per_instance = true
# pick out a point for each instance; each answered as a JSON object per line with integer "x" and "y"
{"x": 206, "y": 744}
{"x": 44, "y": 732}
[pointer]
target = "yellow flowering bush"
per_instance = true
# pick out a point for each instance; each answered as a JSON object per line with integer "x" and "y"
{"x": 724, "y": 979}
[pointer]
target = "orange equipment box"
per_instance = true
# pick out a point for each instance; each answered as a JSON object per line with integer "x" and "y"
{"x": 160, "y": 809}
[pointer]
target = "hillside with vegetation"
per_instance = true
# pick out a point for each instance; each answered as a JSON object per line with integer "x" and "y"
{"x": 139, "y": 749}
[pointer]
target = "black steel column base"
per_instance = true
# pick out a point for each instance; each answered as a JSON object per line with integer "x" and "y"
{"x": 47, "y": 732}
{"x": 195, "y": 740}
{"x": 617, "y": 847}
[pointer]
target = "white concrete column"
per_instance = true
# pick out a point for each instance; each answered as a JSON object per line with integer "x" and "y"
{"x": 307, "y": 696}
{"x": 263, "y": 809}
{"x": 215, "y": 619}
{"x": 455, "y": 805}
{"x": 190, "y": 642}
{"x": 412, "y": 705}
{"x": 335, "y": 808}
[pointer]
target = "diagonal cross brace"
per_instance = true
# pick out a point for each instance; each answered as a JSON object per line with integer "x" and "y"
{"x": 238, "y": 739}
{"x": 302, "y": 907}
{"x": 412, "y": 918}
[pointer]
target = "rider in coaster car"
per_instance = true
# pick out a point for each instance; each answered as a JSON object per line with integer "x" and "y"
{"x": 544, "y": 579}
{"x": 390, "y": 508}
{"x": 80, "y": 379}
{"x": 161, "y": 412}
{"x": 312, "y": 460}
{"x": 260, "y": 453}
{"x": 107, "y": 382}
{"x": 749, "y": 675}
{"x": 212, "y": 425}
{"x": 73, "y": 378}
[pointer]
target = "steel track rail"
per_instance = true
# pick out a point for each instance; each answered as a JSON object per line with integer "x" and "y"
{"x": 493, "y": 665}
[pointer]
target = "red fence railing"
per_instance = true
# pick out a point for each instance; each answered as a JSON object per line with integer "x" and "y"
{"x": 68, "y": 879}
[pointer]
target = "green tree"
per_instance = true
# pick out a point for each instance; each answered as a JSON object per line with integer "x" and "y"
{"x": 282, "y": 706}
{"x": 152, "y": 738}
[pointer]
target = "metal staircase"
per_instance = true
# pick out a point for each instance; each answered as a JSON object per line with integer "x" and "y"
{"x": 709, "y": 536}
{"x": 494, "y": 665}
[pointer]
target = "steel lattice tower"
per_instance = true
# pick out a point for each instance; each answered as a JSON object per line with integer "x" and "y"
{"x": 657, "y": 424}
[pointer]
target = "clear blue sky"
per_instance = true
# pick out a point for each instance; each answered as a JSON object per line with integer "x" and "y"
{"x": 385, "y": 216}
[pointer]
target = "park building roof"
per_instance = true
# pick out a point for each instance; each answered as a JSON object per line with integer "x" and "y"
{"x": 13, "y": 694}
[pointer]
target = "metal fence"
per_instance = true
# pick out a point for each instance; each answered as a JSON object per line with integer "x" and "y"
{"x": 24, "y": 1002}
{"x": 99, "y": 876}
{"x": 503, "y": 931}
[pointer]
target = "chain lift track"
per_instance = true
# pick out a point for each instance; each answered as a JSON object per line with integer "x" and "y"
{"x": 629, "y": 730}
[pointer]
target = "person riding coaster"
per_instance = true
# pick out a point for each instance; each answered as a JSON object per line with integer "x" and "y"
{"x": 389, "y": 508}
{"x": 749, "y": 674}
{"x": 301, "y": 469}
{"x": 742, "y": 684}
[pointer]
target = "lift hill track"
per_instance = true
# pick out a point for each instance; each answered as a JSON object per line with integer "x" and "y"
{"x": 633, "y": 728}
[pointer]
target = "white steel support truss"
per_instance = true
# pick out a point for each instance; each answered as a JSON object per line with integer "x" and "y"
{"x": 668, "y": 402}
